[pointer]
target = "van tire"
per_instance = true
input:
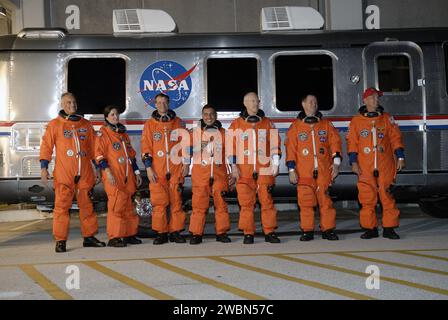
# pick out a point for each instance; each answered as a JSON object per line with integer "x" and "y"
{"x": 435, "y": 207}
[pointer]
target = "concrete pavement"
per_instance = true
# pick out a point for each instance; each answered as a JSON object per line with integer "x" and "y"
{"x": 415, "y": 267}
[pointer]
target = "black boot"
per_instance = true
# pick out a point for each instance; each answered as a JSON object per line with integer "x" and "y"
{"x": 176, "y": 237}
{"x": 307, "y": 236}
{"x": 93, "y": 242}
{"x": 116, "y": 242}
{"x": 161, "y": 238}
{"x": 223, "y": 237}
{"x": 272, "y": 238}
{"x": 370, "y": 233}
{"x": 248, "y": 239}
{"x": 61, "y": 246}
{"x": 329, "y": 235}
{"x": 390, "y": 234}
{"x": 196, "y": 239}
{"x": 132, "y": 240}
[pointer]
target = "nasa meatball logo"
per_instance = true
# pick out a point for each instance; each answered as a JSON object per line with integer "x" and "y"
{"x": 167, "y": 77}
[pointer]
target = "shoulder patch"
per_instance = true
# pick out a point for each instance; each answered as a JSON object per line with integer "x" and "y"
{"x": 116, "y": 146}
{"x": 364, "y": 133}
{"x": 157, "y": 136}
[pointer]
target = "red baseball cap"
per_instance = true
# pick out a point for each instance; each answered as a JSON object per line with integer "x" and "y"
{"x": 369, "y": 91}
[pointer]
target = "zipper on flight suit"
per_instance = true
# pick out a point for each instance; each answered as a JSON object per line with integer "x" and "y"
{"x": 212, "y": 154}
{"x": 168, "y": 173}
{"x": 78, "y": 154}
{"x": 127, "y": 160}
{"x": 375, "y": 147}
{"x": 315, "y": 171}
{"x": 254, "y": 140}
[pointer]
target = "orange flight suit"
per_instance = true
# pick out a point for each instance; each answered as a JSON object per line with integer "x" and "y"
{"x": 74, "y": 142}
{"x": 258, "y": 179}
{"x": 311, "y": 190}
{"x": 360, "y": 144}
{"x": 205, "y": 143}
{"x": 114, "y": 150}
{"x": 157, "y": 137}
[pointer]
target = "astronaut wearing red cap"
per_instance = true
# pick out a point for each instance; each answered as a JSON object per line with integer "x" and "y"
{"x": 376, "y": 154}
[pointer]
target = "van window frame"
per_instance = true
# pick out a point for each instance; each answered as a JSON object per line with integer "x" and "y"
{"x": 445, "y": 65}
{"x": 272, "y": 58}
{"x": 230, "y": 115}
{"x": 411, "y": 73}
{"x": 96, "y": 116}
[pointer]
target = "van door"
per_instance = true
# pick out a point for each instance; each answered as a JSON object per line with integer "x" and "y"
{"x": 396, "y": 68}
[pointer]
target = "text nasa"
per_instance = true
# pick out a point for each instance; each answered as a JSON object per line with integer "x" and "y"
{"x": 163, "y": 85}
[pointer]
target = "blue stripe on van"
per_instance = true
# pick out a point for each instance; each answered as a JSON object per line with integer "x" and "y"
{"x": 134, "y": 132}
{"x": 438, "y": 127}
{"x": 5, "y": 133}
{"x": 409, "y": 128}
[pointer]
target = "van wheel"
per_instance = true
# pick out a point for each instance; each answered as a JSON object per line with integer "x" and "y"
{"x": 187, "y": 205}
{"x": 145, "y": 232}
{"x": 145, "y": 228}
{"x": 100, "y": 206}
{"x": 435, "y": 207}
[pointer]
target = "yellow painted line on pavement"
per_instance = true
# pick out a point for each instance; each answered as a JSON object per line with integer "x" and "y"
{"x": 14, "y": 233}
{"x": 228, "y": 256}
{"x": 26, "y": 225}
{"x": 429, "y": 256}
{"x": 361, "y": 274}
{"x": 231, "y": 289}
{"x": 390, "y": 263}
{"x": 129, "y": 281}
{"x": 45, "y": 283}
{"x": 305, "y": 282}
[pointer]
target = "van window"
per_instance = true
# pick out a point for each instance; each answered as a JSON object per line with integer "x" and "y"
{"x": 228, "y": 80}
{"x": 97, "y": 82}
{"x": 299, "y": 75}
{"x": 394, "y": 73}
